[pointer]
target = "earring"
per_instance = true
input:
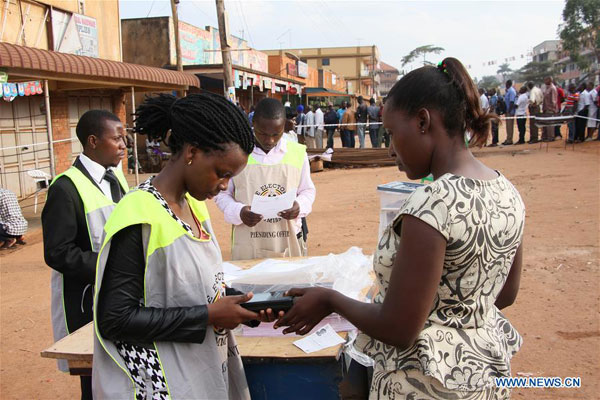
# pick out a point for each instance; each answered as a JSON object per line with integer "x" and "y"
{"x": 422, "y": 131}
{"x": 189, "y": 162}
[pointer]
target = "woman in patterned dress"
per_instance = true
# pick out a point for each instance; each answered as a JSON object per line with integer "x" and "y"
{"x": 449, "y": 261}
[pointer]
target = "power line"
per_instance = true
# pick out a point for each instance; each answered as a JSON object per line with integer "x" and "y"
{"x": 246, "y": 23}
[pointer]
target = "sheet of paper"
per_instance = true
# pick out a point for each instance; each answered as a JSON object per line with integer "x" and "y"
{"x": 268, "y": 207}
{"x": 321, "y": 339}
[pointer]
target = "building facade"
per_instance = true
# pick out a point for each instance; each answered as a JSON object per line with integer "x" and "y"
{"x": 388, "y": 76}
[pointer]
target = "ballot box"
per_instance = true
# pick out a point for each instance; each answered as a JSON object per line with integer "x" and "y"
{"x": 391, "y": 198}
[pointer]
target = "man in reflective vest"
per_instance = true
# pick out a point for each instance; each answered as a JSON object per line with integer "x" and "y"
{"x": 275, "y": 167}
{"x": 79, "y": 202}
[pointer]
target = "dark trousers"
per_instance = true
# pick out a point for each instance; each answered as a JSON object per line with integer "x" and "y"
{"x": 348, "y": 138}
{"x": 6, "y": 236}
{"x": 330, "y": 132}
{"x": 494, "y": 133}
{"x": 521, "y": 124}
{"x": 580, "y": 124}
{"x": 534, "y": 111}
{"x": 557, "y": 131}
{"x": 86, "y": 388}
{"x": 373, "y": 135}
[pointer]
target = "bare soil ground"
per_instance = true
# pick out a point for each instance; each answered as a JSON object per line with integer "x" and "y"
{"x": 557, "y": 310}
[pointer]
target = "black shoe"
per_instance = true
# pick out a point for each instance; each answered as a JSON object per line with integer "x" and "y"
{"x": 533, "y": 141}
{"x": 569, "y": 141}
{"x": 520, "y": 142}
{"x": 559, "y": 136}
{"x": 506, "y": 143}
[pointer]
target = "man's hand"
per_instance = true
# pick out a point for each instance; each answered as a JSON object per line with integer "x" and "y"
{"x": 291, "y": 213}
{"x": 249, "y": 218}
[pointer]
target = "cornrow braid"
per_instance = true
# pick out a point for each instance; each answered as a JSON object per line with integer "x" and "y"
{"x": 205, "y": 120}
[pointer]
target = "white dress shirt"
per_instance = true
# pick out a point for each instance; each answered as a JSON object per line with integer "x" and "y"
{"x": 536, "y": 97}
{"x": 97, "y": 172}
{"x": 319, "y": 119}
{"x": 485, "y": 104}
{"x": 585, "y": 99}
{"x": 522, "y": 103}
{"x": 305, "y": 195}
{"x": 310, "y": 121}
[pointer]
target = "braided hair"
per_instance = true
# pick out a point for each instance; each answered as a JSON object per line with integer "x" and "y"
{"x": 204, "y": 120}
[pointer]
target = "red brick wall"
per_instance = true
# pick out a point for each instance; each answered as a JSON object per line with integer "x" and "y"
{"x": 59, "y": 110}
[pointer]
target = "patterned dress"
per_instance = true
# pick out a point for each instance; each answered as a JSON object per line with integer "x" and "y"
{"x": 466, "y": 341}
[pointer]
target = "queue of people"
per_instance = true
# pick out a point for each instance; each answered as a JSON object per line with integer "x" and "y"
{"x": 145, "y": 264}
{"x": 534, "y": 104}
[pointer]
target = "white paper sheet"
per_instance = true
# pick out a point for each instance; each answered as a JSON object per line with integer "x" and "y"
{"x": 268, "y": 207}
{"x": 321, "y": 339}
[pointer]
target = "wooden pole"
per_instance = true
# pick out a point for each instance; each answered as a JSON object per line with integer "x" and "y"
{"x": 177, "y": 42}
{"x": 135, "y": 149}
{"x": 49, "y": 128}
{"x": 225, "y": 52}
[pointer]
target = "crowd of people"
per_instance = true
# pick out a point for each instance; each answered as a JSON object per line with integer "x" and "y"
{"x": 541, "y": 106}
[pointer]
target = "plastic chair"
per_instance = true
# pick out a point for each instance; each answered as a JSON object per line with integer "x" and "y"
{"x": 41, "y": 179}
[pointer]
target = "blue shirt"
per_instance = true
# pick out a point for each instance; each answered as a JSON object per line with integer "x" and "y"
{"x": 250, "y": 116}
{"x": 340, "y": 113}
{"x": 510, "y": 97}
{"x": 493, "y": 102}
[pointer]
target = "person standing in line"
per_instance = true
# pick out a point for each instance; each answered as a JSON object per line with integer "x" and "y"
{"x": 583, "y": 106}
{"x": 349, "y": 126}
{"x": 300, "y": 122}
{"x": 494, "y": 108}
{"x": 361, "y": 120}
{"x": 510, "y": 98}
{"x": 384, "y": 137}
{"x": 331, "y": 120}
{"x": 319, "y": 122}
{"x": 549, "y": 108}
{"x": 536, "y": 97}
{"x": 251, "y": 115}
{"x": 560, "y": 93}
{"x": 341, "y": 129}
{"x": 483, "y": 100}
{"x": 592, "y": 112}
{"x": 373, "y": 114}
{"x": 78, "y": 205}
{"x": 309, "y": 132}
{"x": 12, "y": 223}
{"x": 521, "y": 113}
{"x": 571, "y": 109}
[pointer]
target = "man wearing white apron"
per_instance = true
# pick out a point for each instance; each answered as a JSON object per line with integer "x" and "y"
{"x": 275, "y": 166}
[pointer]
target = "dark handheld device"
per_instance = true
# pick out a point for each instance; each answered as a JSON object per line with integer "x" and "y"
{"x": 276, "y": 301}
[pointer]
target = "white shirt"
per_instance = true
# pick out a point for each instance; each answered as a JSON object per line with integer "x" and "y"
{"x": 310, "y": 121}
{"x": 97, "y": 172}
{"x": 485, "y": 104}
{"x": 305, "y": 195}
{"x": 522, "y": 103}
{"x": 585, "y": 99}
{"x": 536, "y": 97}
{"x": 319, "y": 119}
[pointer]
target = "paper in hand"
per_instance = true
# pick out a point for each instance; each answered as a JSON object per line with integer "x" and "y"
{"x": 324, "y": 337}
{"x": 268, "y": 207}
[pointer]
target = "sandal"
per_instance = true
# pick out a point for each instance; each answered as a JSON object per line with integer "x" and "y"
{"x": 9, "y": 243}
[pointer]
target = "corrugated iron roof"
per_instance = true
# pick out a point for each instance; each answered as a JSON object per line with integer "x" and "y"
{"x": 28, "y": 59}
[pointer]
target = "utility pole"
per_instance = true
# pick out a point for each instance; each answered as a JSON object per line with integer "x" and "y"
{"x": 174, "y": 4}
{"x": 225, "y": 52}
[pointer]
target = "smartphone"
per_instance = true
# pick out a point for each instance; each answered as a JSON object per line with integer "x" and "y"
{"x": 276, "y": 301}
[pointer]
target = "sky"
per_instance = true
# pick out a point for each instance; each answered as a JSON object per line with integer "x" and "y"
{"x": 475, "y": 32}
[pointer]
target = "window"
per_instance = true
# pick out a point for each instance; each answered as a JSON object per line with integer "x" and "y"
{"x": 325, "y": 61}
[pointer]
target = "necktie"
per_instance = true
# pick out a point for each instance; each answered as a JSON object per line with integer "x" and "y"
{"x": 115, "y": 187}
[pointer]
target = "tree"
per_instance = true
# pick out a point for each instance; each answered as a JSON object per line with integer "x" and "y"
{"x": 421, "y": 51}
{"x": 536, "y": 71}
{"x": 581, "y": 30}
{"x": 488, "y": 82}
{"x": 504, "y": 70}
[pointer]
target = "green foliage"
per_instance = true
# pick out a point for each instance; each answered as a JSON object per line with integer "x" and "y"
{"x": 505, "y": 71}
{"x": 537, "y": 71}
{"x": 421, "y": 51}
{"x": 581, "y": 30}
{"x": 488, "y": 82}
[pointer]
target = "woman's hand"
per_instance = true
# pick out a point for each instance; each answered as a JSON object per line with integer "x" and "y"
{"x": 227, "y": 312}
{"x": 311, "y": 305}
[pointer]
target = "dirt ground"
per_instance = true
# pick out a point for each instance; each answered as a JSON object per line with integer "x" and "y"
{"x": 557, "y": 310}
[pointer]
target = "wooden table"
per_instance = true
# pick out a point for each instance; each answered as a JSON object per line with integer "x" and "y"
{"x": 275, "y": 367}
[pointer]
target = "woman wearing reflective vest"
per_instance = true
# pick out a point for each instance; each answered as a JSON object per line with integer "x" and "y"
{"x": 162, "y": 319}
